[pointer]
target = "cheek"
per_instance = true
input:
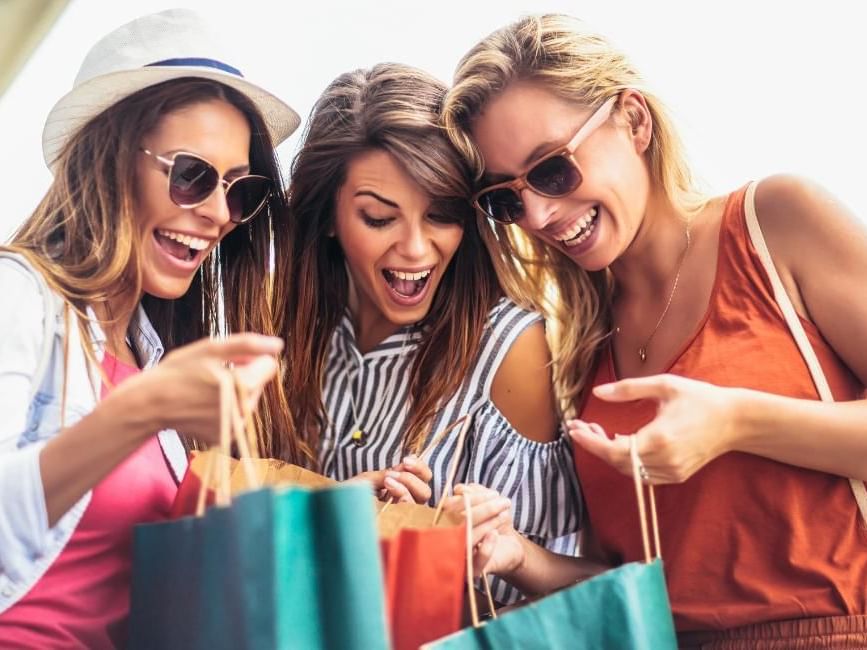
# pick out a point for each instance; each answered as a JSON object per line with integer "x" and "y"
{"x": 449, "y": 240}
{"x": 362, "y": 246}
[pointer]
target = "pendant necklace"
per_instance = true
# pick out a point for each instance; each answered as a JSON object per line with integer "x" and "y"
{"x": 359, "y": 432}
{"x": 642, "y": 350}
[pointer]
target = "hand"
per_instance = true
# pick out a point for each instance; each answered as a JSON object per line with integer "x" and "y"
{"x": 185, "y": 388}
{"x": 694, "y": 424}
{"x": 406, "y": 482}
{"x": 497, "y": 546}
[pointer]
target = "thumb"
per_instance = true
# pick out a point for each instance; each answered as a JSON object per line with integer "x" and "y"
{"x": 656, "y": 387}
{"x": 256, "y": 373}
{"x": 484, "y": 552}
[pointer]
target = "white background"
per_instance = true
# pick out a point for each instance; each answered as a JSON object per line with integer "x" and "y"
{"x": 757, "y": 87}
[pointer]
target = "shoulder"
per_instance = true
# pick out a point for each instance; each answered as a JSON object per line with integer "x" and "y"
{"x": 795, "y": 212}
{"x": 24, "y": 288}
{"x": 523, "y": 389}
{"x": 506, "y": 317}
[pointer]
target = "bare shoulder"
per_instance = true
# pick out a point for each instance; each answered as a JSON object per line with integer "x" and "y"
{"x": 522, "y": 388}
{"x": 794, "y": 210}
{"x": 819, "y": 247}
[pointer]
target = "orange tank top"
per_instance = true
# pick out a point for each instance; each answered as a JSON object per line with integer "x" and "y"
{"x": 746, "y": 539}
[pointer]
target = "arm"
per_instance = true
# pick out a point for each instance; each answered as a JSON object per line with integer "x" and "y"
{"x": 820, "y": 250}
{"x": 499, "y": 549}
{"x": 522, "y": 389}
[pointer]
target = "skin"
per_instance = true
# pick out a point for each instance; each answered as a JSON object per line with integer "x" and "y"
{"x": 182, "y": 391}
{"x": 641, "y": 239}
{"x": 384, "y": 220}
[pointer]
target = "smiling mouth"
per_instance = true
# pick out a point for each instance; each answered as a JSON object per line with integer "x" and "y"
{"x": 407, "y": 284}
{"x": 180, "y": 246}
{"x": 579, "y": 231}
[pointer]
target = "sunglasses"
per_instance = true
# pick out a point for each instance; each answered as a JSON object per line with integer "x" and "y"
{"x": 192, "y": 180}
{"x": 554, "y": 175}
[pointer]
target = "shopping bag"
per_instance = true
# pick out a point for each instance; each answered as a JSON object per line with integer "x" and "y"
{"x": 423, "y": 552}
{"x": 625, "y": 608}
{"x": 274, "y": 568}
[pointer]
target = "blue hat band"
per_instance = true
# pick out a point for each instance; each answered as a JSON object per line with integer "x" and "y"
{"x": 198, "y": 63}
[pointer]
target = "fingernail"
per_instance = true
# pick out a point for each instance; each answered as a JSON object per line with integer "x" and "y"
{"x": 392, "y": 474}
{"x": 409, "y": 461}
{"x": 391, "y": 482}
{"x": 603, "y": 389}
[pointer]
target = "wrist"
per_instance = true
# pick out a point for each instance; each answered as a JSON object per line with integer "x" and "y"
{"x": 134, "y": 407}
{"x": 744, "y": 420}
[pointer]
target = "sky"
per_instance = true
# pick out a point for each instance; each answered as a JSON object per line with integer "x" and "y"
{"x": 757, "y": 87}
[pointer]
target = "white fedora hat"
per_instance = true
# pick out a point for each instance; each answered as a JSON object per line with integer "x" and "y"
{"x": 147, "y": 51}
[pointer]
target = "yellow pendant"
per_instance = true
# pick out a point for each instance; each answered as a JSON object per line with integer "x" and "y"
{"x": 358, "y": 437}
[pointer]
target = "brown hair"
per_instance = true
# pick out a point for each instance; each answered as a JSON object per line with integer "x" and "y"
{"x": 83, "y": 236}
{"x": 393, "y": 108}
{"x": 579, "y": 65}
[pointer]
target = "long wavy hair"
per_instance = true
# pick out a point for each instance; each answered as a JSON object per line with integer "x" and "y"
{"x": 581, "y": 66}
{"x": 84, "y": 237}
{"x": 392, "y": 108}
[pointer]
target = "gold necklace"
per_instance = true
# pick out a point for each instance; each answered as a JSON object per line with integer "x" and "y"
{"x": 642, "y": 350}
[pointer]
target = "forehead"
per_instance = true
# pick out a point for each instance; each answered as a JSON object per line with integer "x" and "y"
{"x": 520, "y": 120}
{"x": 213, "y": 129}
{"x": 378, "y": 171}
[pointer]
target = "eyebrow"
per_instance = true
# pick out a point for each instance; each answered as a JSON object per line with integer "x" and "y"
{"x": 540, "y": 150}
{"x": 388, "y": 202}
{"x": 240, "y": 169}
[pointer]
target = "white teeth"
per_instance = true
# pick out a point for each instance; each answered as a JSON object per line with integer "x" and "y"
{"x": 403, "y": 275}
{"x": 568, "y": 237}
{"x": 193, "y": 242}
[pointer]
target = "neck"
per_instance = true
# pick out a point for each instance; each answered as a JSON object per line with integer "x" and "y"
{"x": 647, "y": 266}
{"x": 371, "y": 327}
{"x": 115, "y": 323}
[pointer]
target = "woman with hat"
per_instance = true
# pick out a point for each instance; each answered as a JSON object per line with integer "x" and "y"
{"x": 165, "y": 181}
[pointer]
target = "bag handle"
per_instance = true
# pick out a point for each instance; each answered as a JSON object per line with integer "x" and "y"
{"x": 465, "y": 422}
{"x": 642, "y": 508}
{"x": 471, "y": 592}
{"x": 236, "y": 424}
{"x": 794, "y": 324}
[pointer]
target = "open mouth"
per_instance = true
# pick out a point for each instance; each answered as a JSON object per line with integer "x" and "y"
{"x": 581, "y": 230}
{"x": 179, "y": 246}
{"x": 407, "y": 284}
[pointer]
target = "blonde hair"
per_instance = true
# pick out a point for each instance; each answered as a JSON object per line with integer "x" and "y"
{"x": 83, "y": 237}
{"x": 566, "y": 57}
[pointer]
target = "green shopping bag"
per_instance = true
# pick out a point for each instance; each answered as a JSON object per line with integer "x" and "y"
{"x": 285, "y": 567}
{"x": 626, "y": 608}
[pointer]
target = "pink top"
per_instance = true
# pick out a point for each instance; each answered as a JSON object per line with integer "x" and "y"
{"x": 83, "y": 598}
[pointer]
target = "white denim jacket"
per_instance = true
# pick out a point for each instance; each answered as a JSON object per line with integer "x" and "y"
{"x": 30, "y": 416}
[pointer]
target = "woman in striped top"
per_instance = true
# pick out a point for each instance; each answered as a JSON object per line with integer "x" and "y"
{"x": 396, "y": 323}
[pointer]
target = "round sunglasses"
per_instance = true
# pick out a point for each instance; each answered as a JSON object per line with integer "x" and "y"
{"x": 554, "y": 175}
{"x": 192, "y": 180}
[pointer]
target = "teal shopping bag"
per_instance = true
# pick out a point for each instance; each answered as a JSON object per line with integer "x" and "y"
{"x": 625, "y": 608}
{"x": 279, "y": 568}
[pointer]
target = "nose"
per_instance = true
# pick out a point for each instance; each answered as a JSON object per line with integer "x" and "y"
{"x": 414, "y": 242}
{"x": 538, "y": 210}
{"x": 216, "y": 207}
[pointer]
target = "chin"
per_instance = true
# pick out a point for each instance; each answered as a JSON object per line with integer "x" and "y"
{"x": 167, "y": 290}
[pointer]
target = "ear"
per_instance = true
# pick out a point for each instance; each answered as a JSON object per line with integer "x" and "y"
{"x": 638, "y": 117}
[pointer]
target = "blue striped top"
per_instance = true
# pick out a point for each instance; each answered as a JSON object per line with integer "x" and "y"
{"x": 539, "y": 478}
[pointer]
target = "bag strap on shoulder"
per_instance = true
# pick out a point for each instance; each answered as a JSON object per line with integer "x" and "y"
{"x": 794, "y": 324}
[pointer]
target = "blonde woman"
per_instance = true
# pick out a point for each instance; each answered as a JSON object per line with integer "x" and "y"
{"x": 164, "y": 177}
{"x": 669, "y": 331}
{"x": 396, "y": 323}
